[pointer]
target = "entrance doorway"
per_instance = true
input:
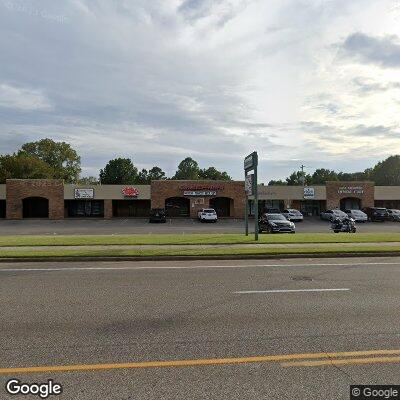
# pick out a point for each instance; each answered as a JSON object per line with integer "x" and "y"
{"x": 350, "y": 203}
{"x": 177, "y": 207}
{"x": 222, "y": 206}
{"x": 35, "y": 207}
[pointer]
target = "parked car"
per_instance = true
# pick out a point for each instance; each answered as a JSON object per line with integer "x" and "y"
{"x": 275, "y": 223}
{"x": 272, "y": 211}
{"x": 376, "y": 214}
{"x": 207, "y": 215}
{"x": 157, "y": 215}
{"x": 293, "y": 215}
{"x": 357, "y": 215}
{"x": 330, "y": 215}
{"x": 394, "y": 215}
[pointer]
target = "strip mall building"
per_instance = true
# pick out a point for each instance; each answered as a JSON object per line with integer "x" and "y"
{"x": 23, "y": 198}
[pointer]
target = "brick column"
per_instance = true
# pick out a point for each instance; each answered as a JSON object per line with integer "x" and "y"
{"x": 108, "y": 210}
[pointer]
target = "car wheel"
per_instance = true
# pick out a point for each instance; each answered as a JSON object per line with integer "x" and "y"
{"x": 336, "y": 231}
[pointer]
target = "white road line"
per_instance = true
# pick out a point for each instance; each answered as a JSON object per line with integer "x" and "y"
{"x": 134, "y": 268}
{"x": 290, "y": 291}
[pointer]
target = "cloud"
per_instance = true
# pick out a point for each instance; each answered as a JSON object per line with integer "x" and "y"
{"x": 161, "y": 80}
{"x": 383, "y": 51}
{"x": 22, "y": 98}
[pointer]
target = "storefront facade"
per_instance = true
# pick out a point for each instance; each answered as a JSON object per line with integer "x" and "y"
{"x": 186, "y": 198}
{"x": 41, "y": 198}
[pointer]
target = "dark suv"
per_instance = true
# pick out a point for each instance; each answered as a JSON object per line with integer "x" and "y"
{"x": 157, "y": 215}
{"x": 376, "y": 214}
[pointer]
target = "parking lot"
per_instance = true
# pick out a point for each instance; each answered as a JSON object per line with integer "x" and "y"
{"x": 177, "y": 226}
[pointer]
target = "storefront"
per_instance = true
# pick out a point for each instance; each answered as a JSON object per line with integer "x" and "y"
{"x": 185, "y": 198}
{"x": 24, "y": 198}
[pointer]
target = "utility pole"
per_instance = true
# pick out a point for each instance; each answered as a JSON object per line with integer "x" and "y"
{"x": 303, "y": 177}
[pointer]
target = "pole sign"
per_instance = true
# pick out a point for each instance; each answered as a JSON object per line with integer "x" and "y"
{"x": 251, "y": 189}
{"x": 248, "y": 184}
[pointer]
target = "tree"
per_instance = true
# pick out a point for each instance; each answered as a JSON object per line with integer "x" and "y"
{"x": 153, "y": 174}
{"x": 60, "y": 156}
{"x": 88, "y": 180}
{"x": 387, "y": 172}
{"x": 187, "y": 169}
{"x": 119, "y": 171}
{"x": 277, "y": 183}
{"x": 298, "y": 178}
{"x": 322, "y": 175}
{"x": 212, "y": 173}
{"x": 22, "y": 166}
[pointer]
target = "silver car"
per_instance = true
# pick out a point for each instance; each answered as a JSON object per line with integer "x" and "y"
{"x": 394, "y": 215}
{"x": 357, "y": 215}
{"x": 330, "y": 215}
{"x": 293, "y": 215}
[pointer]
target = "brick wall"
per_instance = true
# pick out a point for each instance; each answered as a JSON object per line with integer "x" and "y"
{"x": 19, "y": 189}
{"x": 162, "y": 190}
{"x": 336, "y": 191}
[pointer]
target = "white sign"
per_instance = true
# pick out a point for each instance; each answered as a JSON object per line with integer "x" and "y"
{"x": 351, "y": 190}
{"x": 309, "y": 193}
{"x": 84, "y": 193}
{"x": 199, "y": 193}
{"x": 248, "y": 185}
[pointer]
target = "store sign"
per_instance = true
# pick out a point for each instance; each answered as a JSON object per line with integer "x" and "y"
{"x": 309, "y": 193}
{"x": 249, "y": 184}
{"x": 201, "y": 187}
{"x": 84, "y": 193}
{"x": 130, "y": 191}
{"x": 199, "y": 193}
{"x": 357, "y": 190}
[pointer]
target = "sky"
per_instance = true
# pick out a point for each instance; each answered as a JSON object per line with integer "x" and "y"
{"x": 312, "y": 82}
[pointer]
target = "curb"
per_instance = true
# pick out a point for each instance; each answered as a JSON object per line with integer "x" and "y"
{"x": 206, "y": 257}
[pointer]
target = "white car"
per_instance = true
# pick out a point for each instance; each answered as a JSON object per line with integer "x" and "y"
{"x": 357, "y": 215}
{"x": 207, "y": 214}
{"x": 293, "y": 215}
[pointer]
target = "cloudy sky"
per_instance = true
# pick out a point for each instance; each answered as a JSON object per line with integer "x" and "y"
{"x": 314, "y": 82}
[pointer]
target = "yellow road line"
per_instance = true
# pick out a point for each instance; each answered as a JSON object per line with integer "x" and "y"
{"x": 198, "y": 362}
{"x": 349, "y": 361}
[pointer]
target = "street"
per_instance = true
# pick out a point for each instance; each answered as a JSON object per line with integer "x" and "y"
{"x": 93, "y": 317}
{"x": 118, "y": 226}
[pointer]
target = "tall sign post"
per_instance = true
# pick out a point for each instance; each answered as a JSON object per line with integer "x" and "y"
{"x": 250, "y": 164}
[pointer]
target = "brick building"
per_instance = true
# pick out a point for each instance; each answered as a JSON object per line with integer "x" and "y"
{"x": 41, "y": 198}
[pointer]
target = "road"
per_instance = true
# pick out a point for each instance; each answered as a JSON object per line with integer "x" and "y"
{"x": 100, "y": 315}
{"x": 119, "y": 226}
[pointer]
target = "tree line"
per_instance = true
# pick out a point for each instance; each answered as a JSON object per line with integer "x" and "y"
{"x": 384, "y": 173}
{"x": 47, "y": 159}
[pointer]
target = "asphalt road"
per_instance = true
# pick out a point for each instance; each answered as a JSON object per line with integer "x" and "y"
{"x": 105, "y": 314}
{"x": 119, "y": 226}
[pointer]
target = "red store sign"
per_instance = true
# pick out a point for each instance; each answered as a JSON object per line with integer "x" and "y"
{"x": 130, "y": 191}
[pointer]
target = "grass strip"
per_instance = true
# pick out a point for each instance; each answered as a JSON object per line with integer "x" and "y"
{"x": 193, "y": 239}
{"x": 193, "y": 252}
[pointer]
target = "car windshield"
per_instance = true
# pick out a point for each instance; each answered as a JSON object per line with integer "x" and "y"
{"x": 276, "y": 217}
{"x": 209, "y": 211}
{"x": 296, "y": 212}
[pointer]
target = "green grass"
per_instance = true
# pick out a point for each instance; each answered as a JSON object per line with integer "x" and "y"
{"x": 183, "y": 239}
{"x": 193, "y": 252}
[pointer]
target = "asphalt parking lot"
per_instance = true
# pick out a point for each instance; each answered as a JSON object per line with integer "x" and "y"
{"x": 177, "y": 226}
